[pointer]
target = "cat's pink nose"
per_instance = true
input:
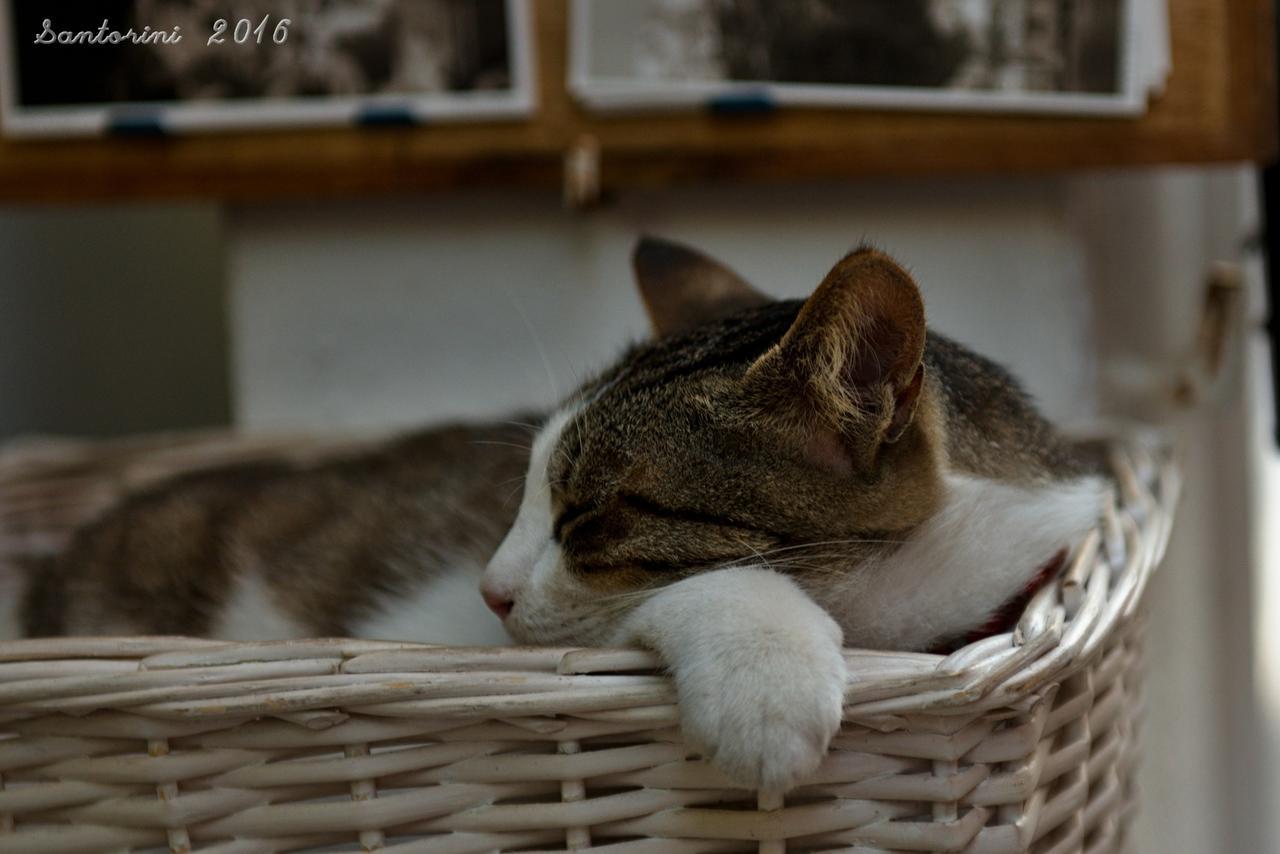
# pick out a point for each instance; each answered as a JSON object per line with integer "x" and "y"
{"x": 499, "y": 603}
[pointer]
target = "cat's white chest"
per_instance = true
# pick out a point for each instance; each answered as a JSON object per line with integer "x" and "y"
{"x": 978, "y": 552}
{"x": 445, "y": 609}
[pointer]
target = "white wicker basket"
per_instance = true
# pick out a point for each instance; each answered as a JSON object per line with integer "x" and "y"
{"x": 1020, "y": 742}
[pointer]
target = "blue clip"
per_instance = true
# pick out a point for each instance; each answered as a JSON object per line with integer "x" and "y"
{"x": 135, "y": 124}
{"x": 742, "y": 103}
{"x": 387, "y": 117}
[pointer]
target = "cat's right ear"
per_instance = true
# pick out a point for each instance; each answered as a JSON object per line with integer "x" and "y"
{"x": 682, "y": 288}
{"x": 849, "y": 372}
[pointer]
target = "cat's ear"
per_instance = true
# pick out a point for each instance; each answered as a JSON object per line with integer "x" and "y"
{"x": 682, "y": 288}
{"x": 849, "y": 371}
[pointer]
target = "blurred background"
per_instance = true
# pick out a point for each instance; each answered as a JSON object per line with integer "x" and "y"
{"x": 388, "y": 271}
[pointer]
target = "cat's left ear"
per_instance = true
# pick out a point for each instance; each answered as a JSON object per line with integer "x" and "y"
{"x": 848, "y": 373}
{"x": 682, "y": 288}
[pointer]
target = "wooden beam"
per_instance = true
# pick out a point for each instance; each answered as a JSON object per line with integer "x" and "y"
{"x": 1220, "y": 105}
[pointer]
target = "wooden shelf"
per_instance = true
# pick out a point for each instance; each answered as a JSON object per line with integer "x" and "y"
{"x": 1220, "y": 106}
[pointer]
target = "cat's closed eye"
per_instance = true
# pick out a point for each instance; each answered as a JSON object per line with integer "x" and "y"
{"x": 568, "y": 516}
{"x": 634, "y": 565}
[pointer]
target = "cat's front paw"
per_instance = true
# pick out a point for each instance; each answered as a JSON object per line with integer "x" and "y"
{"x": 764, "y": 711}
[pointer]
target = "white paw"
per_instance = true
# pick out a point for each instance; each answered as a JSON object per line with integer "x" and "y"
{"x": 763, "y": 711}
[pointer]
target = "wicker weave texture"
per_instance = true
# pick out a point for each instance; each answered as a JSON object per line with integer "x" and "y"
{"x": 1020, "y": 742}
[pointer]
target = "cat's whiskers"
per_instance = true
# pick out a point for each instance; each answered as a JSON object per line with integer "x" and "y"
{"x": 810, "y": 558}
{"x": 549, "y": 485}
{"x": 537, "y": 342}
{"x": 562, "y": 447}
{"x": 821, "y": 543}
{"x": 526, "y": 425}
{"x": 517, "y": 445}
{"x": 764, "y": 560}
{"x": 518, "y": 480}
{"x": 626, "y": 596}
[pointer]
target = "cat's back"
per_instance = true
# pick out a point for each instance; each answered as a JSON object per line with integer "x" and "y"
{"x": 280, "y": 550}
{"x": 993, "y": 427}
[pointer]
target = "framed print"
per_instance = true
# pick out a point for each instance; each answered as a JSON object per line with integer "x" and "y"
{"x": 1083, "y": 56}
{"x": 164, "y": 66}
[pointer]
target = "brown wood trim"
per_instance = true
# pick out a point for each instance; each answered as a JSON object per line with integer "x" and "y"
{"x": 1220, "y": 106}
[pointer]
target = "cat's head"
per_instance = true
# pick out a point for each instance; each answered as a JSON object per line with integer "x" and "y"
{"x": 793, "y": 434}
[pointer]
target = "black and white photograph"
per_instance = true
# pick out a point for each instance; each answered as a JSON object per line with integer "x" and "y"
{"x": 173, "y": 65}
{"x": 948, "y": 54}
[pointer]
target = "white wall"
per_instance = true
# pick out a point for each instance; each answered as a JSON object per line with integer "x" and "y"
{"x": 111, "y": 319}
{"x": 366, "y": 315}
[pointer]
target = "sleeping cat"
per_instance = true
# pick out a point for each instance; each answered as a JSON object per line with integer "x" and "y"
{"x": 760, "y": 484}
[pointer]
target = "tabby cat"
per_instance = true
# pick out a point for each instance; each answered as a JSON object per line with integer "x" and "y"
{"x": 760, "y": 484}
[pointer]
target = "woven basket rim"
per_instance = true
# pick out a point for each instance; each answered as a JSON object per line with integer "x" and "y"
{"x": 179, "y": 678}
